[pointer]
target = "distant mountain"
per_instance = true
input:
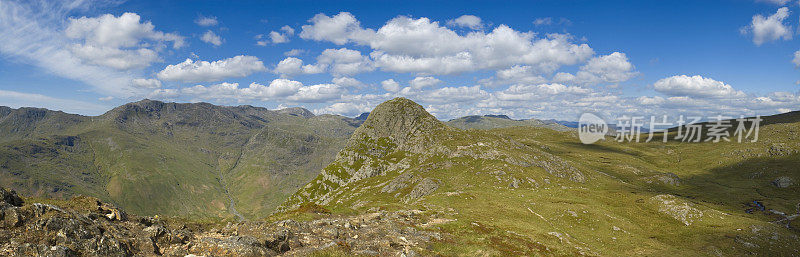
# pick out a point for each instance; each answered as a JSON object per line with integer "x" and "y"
{"x": 297, "y": 111}
{"x": 151, "y": 157}
{"x": 569, "y": 124}
{"x": 500, "y": 121}
{"x": 362, "y": 117}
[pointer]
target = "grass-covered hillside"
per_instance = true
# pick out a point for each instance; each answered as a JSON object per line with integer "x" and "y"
{"x": 150, "y": 157}
{"x": 536, "y": 191}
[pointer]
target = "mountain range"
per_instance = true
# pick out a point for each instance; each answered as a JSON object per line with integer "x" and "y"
{"x": 150, "y": 157}
{"x": 507, "y": 188}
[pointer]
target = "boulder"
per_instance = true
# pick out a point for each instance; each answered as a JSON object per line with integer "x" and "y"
{"x": 783, "y": 182}
{"x": 10, "y": 197}
{"x": 230, "y": 246}
{"x": 425, "y": 187}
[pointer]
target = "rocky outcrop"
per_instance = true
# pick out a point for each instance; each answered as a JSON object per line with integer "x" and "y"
{"x": 83, "y": 227}
{"x": 423, "y": 188}
{"x": 783, "y": 182}
{"x": 297, "y": 111}
{"x": 10, "y": 197}
{"x": 678, "y": 209}
{"x": 667, "y": 178}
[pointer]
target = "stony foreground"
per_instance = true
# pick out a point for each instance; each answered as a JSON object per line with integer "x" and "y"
{"x": 85, "y": 226}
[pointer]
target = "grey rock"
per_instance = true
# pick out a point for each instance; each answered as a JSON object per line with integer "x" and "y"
{"x": 425, "y": 187}
{"x": 10, "y": 197}
{"x": 783, "y": 182}
{"x": 231, "y": 246}
{"x": 398, "y": 183}
{"x": 668, "y": 178}
{"x": 514, "y": 183}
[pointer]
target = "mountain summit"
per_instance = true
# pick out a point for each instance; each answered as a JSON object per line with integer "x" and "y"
{"x": 399, "y": 119}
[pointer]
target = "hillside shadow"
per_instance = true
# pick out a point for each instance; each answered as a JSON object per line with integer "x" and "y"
{"x": 600, "y": 148}
{"x": 743, "y": 186}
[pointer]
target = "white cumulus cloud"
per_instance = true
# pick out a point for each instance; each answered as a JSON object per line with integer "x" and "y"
{"x": 211, "y": 38}
{"x": 204, "y": 71}
{"x": 122, "y": 43}
{"x": 767, "y": 29}
{"x": 146, "y": 83}
{"x": 695, "y": 86}
{"x": 467, "y": 21}
{"x": 405, "y": 44}
{"x": 390, "y": 85}
{"x": 423, "y": 82}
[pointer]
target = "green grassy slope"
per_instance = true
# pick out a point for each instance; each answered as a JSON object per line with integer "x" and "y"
{"x": 534, "y": 191}
{"x": 150, "y": 157}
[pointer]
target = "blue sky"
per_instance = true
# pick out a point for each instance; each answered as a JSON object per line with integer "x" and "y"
{"x": 542, "y": 59}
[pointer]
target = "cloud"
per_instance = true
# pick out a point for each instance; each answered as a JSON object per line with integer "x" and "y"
{"x": 612, "y": 68}
{"x": 231, "y": 91}
{"x": 776, "y": 2}
{"x": 281, "y": 90}
{"x": 543, "y": 21}
{"x": 206, "y": 21}
{"x": 317, "y": 93}
{"x": 122, "y": 43}
{"x": 767, "y": 29}
{"x": 211, "y": 38}
{"x": 33, "y": 33}
{"x": 127, "y": 30}
{"x": 409, "y": 45}
{"x": 278, "y": 38}
{"x": 695, "y": 86}
{"x": 546, "y": 21}
{"x": 344, "y": 61}
{"x": 421, "y": 46}
{"x": 294, "y": 52}
{"x": 533, "y": 92}
{"x": 796, "y": 59}
{"x": 390, "y": 85}
{"x": 147, "y": 83}
{"x": 203, "y": 71}
{"x": 347, "y": 82}
{"x": 467, "y": 21}
{"x": 15, "y": 99}
{"x": 340, "y": 62}
{"x": 455, "y": 94}
{"x": 293, "y": 66}
{"x": 338, "y": 29}
{"x": 346, "y": 109}
{"x": 517, "y": 74}
{"x": 287, "y": 30}
{"x": 114, "y": 57}
{"x": 423, "y": 82}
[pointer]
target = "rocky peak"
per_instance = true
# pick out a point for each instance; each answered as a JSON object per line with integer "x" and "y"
{"x": 400, "y": 119}
{"x": 297, "y": 111}
{"x": 362, "y": 117}
{"x": 144, "y": 107}
{"x": 501, "y": 116}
